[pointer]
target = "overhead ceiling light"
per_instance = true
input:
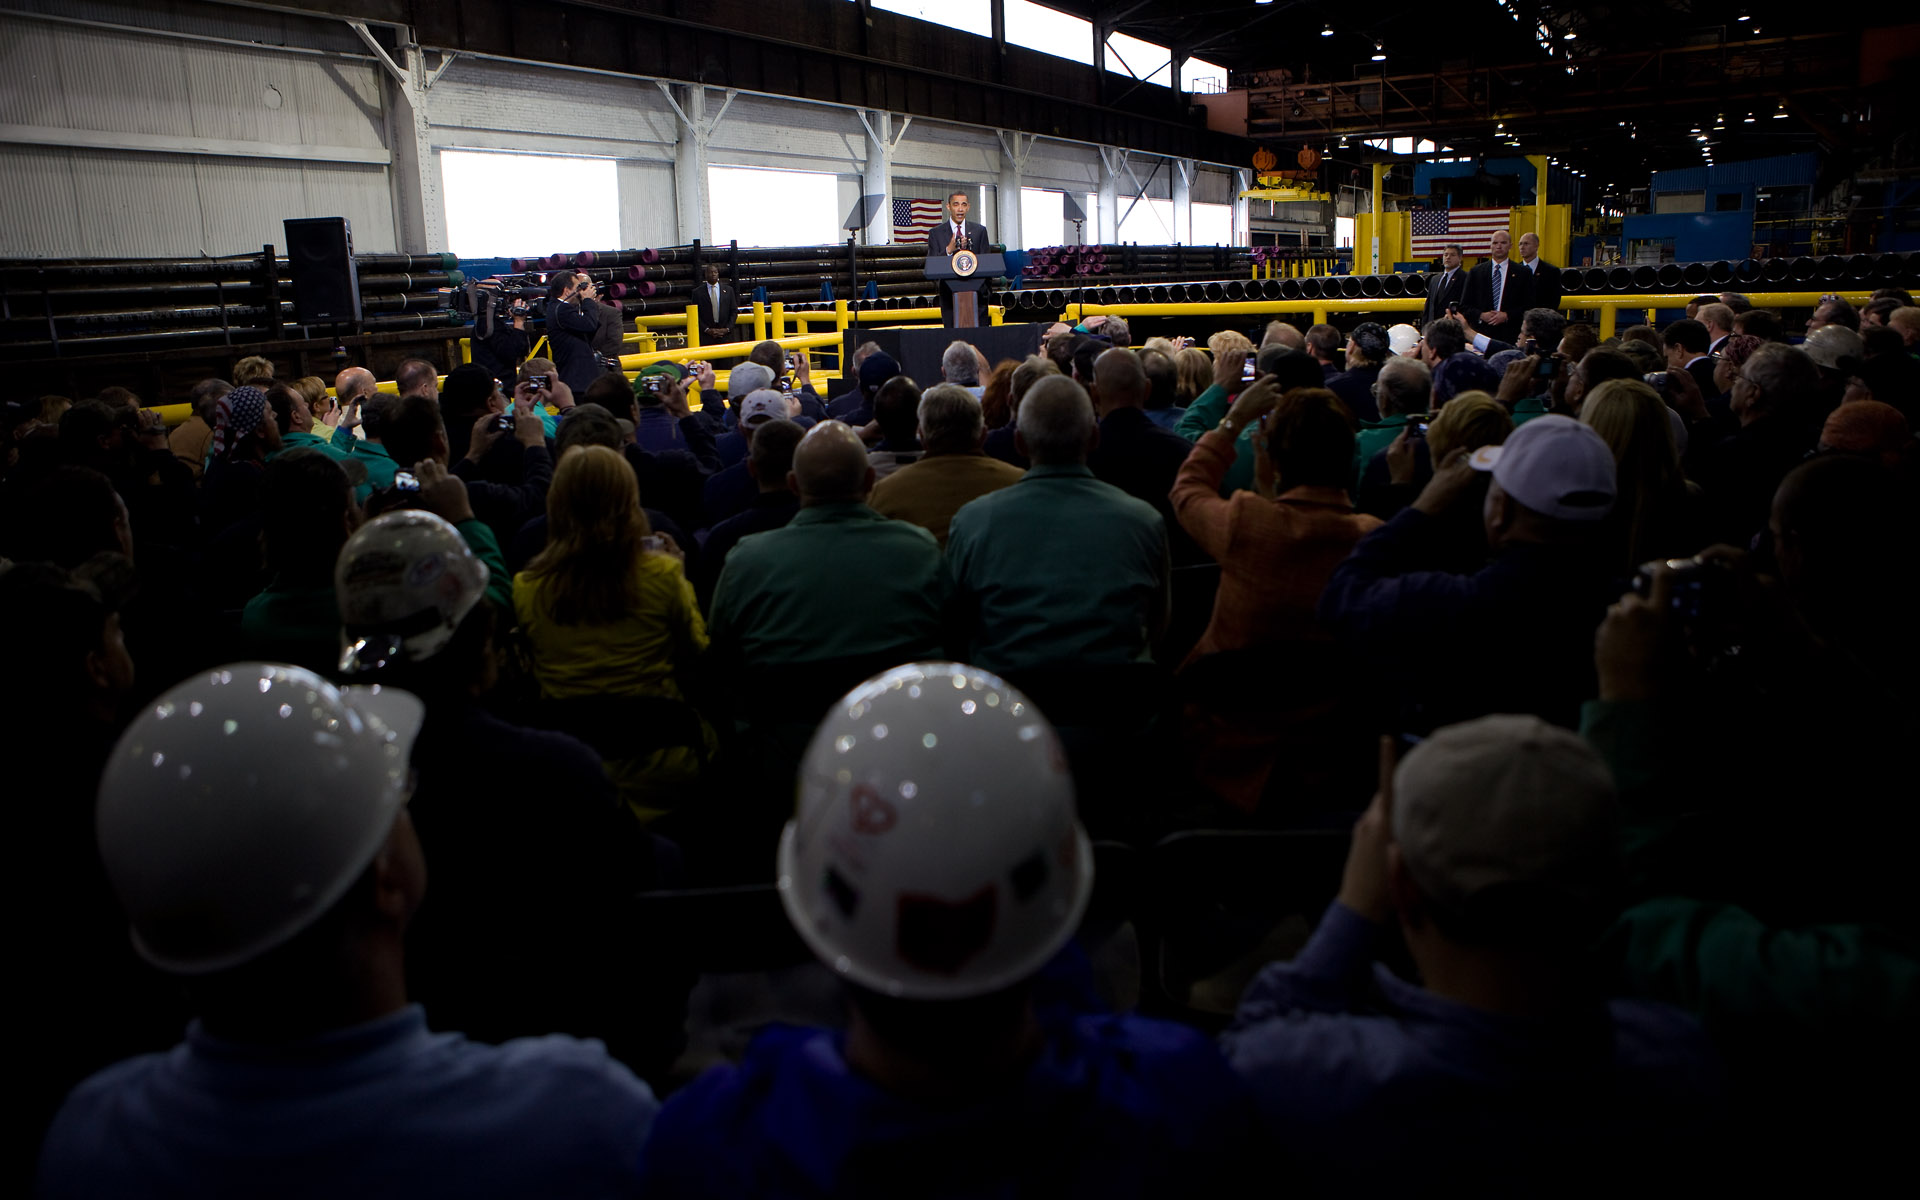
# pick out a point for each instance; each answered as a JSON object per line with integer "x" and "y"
{"x": 1781, "y": 115}
{"x": 1743, "y": 17}
{"x": 1749, "y": 119}
{"x": 1326, "y": 31}
{"x": 1379, "y": 53}
{"x": 1568, "y": 36}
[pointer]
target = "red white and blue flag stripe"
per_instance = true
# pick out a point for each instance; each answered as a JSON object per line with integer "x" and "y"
{"x": 913, "y": 218}
{"x": 1433, "y": 229}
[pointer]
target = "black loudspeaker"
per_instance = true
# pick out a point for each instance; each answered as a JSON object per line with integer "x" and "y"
{"x": 326, "y": 282}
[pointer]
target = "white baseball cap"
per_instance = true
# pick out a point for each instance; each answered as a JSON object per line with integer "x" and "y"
{"x": 1403, "y": 338}
{"x": 1555, "y": 466}
{"x": 762, "y": 406}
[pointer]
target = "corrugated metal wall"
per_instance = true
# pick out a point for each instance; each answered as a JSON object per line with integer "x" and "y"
{"x": 147, "y": 142}
{"x": 97, "y": 121}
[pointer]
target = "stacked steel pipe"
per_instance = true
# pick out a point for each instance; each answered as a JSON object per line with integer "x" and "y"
{"x": 1133, "y": 263}
{"x": 1851, "y": 271}
{"x": 77, "y": 306}
{"x": 661, "y": 280}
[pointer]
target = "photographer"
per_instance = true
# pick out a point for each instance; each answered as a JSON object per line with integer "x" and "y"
{"x": 572, "y": 322}
{"x": 499, "y": 331}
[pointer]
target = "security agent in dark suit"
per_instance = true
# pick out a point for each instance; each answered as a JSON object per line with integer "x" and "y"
{"x": 719, "y": 304}
{"x": 1446, "y": 286}
{"x": 1498, "y": 291}
{"x": 1546, "y": 276}
{"x": 941, "y": 239}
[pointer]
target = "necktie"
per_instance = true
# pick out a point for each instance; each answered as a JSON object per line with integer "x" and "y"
{"x": 1499, "y": 287}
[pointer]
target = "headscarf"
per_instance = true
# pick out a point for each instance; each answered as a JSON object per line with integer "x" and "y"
{"x": 235, "y": 415}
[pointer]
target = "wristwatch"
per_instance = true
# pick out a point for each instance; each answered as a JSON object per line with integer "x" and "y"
{"x": 1226, "y": 426}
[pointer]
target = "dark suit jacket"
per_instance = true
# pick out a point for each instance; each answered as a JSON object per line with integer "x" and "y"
{"x": 1544, "y": 290}
{"x": 1438, "y": 297}
{"x": 940, "y": 241}
{"x": 729, "y": 306}
{"x": 1515, "y": 301}
{"x": 940, "y": 237}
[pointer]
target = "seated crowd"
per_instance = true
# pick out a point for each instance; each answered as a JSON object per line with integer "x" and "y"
{"x": 352, "y": 754}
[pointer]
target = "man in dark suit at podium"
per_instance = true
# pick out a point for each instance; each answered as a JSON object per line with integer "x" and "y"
{"x": 1446, "y": 286}
{"x": 1546, "y": 276}
{"x": 719, "y": 304}
{"x": 941, "y": 240}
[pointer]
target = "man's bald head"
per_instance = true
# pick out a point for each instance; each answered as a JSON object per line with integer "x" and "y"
{"x": 830, "y": 466}
{"x": 352, "y": 382}
{"x": 1119, "y": 381}
{"x": 1279, "y": 333}
{"x": 1056, "y": 425}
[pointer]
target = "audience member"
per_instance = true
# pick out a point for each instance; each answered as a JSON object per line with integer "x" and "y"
{"x": 1133, "y": 453}
{"x": 253, "y": 371}
{"x": 1832, "y": 310}
{"x": 1276, "y": 546}
{"x": 1163, "y": 389}
{"x": 307, "y": 515}
{"x": 192, "y": 439}
{"x": 609, "y": 616}
{"x": 412, "y": 432}
{"x": 1323, "y": 344}
{"x": 1774, "y": 420}
{"x": 769, "y": 463}
{"x": 1367, "y": 351}
{"x": 954, "y": 469}
{"x": 275, "y": 874}
{"x": 1687, "y": 345}
{"x": 1492, "y": 848}
{"x": 593, "y": 425}
{"x": 939, "y": 872}
{"x": 784, "y": 597}
{"x": 1758, "y": 323}
{"x": 996, "y": 396}
{"x": 961, "y": 367}
{"x": 1402, "y": 389}
{"x": 1518, "y": 631}
{"x": 1061, "y": 568}
{"x": 1195, "y": 376}
{"x": 731, "y": 492}
{"x": 1718, "y": 319}
{"x": 1000, "y": 441}
{"x": 1655, "y": 513}
{"x": 896, "y": 410}
{"x": 295, "y": 421}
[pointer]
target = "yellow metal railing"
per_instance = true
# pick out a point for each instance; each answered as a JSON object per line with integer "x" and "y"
{"x": 1608, "y": 306}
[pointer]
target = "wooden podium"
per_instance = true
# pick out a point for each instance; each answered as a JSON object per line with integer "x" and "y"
{"x": 965, "y": 272}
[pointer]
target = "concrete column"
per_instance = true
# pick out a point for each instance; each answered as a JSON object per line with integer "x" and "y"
{"x": 419, "y": 210}
{"x": 690, "y": 164}
{"x": 1183, "y": 169}
{"x": 1109, "y": 216}
{"x": 1242, "y": 211}
{"x": 1014, "y": 149}
{"x": 877, "y": 177}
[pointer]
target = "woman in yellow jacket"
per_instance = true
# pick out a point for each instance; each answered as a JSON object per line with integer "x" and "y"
{"x": 610, "y": 616}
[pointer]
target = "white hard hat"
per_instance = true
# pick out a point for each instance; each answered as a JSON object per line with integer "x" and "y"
{"x": 404, "y": 581}
{"x": 935, "y": 854}
{"x": 242, "y": 803}
{"x": 1402, "y": 338}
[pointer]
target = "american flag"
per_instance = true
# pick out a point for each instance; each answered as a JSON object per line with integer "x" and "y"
{"x": 1471, "y": 227}
{"x": 913, "y": 218}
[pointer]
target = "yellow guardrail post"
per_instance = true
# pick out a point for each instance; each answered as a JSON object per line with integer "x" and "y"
{"x": 759, "y": 320}
{"x": 995, "y": 314}
{"x": 466, "y": 350}
{"x": 779, "y": 320}
{"x": 1609, "y": 320}
{"x": 693, "y": 325}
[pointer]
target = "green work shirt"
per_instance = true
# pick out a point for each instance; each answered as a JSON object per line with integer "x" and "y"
{"x": 1527, "y": 409}
{"x": 379, "y": 464}
{"x": 1203, "y": 417}
{"x": 298, "y": 441}
{"x": 1373, "y": 437}
{"x": 838, "y": 581}
{"x": 1058, "y": 568}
